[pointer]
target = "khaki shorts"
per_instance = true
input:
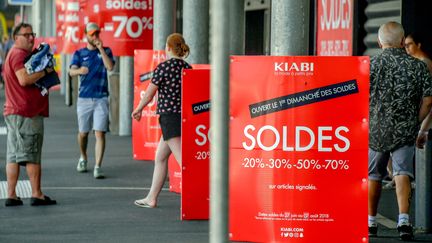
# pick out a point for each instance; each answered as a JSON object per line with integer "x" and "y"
{"x": 24, "y": 139}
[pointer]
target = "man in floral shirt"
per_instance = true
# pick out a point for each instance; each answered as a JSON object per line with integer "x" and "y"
{"x": 400, "y": 98}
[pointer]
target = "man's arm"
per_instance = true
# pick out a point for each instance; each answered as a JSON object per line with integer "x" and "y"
{"x": 75, "y": 71}
{"x": 425, "y": 108}
{"x": 26, "y": 79}
{"x": 426, "y": 118}
{"x": 105, "y": 58}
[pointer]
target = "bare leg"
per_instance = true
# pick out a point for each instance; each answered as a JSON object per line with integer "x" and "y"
{"x": 159, "y": 173}
{"x": 82, "y": 142}
{"x": 403, "y": 192}
{"x": 175, "y": 147}
{"x": 12, "y": 173}
{"x": 99, "y": 147}
{"x": 34, "y": 174}
{"x": 374, "y": 196}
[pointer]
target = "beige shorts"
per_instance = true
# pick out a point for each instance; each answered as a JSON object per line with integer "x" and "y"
{"x": 24, "y": 139}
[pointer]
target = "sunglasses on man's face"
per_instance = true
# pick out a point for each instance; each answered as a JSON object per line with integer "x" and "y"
{"x": 27, "y": 35}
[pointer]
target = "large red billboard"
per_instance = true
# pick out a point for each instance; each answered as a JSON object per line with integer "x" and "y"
{"x": 126, "y": 24}
{"x": 146, "y": 132}
{"x": 69, "y": 25}
{"x": 298, "y": 149}
{"x": 335, "y": 27}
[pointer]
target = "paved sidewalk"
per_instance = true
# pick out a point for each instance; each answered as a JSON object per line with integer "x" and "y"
{"x": 92, "y": 210}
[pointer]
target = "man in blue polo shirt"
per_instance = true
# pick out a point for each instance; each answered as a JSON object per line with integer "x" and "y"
{"x": 92, "y": 64}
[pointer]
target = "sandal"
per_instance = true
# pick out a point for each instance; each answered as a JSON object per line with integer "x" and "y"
{"x": 142, "y": 203}
{"x": 10, "y": 202}
{"x": 34, "y": 201}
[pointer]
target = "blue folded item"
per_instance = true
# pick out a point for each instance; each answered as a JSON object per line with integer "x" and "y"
{"x": 47, "y": 81}
{"x": 39, "y": 59}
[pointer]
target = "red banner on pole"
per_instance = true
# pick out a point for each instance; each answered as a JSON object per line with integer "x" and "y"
{"x": 195, "y": 143}
{"x": 298, "y": 149}
{"x": 69, "y": 25}
{"x": 335, "y": 27}
{"x": 126, "y": 25}
{"x": 145, "y": 133}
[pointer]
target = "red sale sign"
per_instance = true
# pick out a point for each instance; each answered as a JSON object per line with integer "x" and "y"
{"x": 335, "y": 27}
{"x": 126, "y": 25}
{"x": 196, "y": 137}
{"x": 145, "y": 133}
{"x": 174, "y": 170}
{"x": 69, "y": 25}
{"x": 298, "y": 149}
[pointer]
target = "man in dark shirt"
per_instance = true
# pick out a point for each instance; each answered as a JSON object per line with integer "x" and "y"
{"x": 400, "y": 98}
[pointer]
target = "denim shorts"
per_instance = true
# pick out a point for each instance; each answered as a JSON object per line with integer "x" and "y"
{"x": 402, "y": 162}
{"x": 170, "y": 125}
{"x": 93, "y": 114}
{"x": 24, "y": 139}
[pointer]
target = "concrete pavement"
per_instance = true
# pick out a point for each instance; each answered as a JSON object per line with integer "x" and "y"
{"x": 92, "y": 210}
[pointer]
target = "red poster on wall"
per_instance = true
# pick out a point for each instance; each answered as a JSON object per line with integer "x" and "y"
{"x": 195, "y": 143}
{"x": 335, "y": 27}
{"x": 145, "y": 133}
{"x": 298, "y": 149}
{"x": 126, "y": 25}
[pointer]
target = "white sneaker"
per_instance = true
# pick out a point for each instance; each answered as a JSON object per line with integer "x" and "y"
{"x": 97, "y": 173}
{"x": 82, "y": 165}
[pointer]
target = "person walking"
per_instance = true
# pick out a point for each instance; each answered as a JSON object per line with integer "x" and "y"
{"x": 400, "y": 98}
{"x": 24, "y": 112}
{"x": 166, "y": 81}
{"x": 92, "y": 64}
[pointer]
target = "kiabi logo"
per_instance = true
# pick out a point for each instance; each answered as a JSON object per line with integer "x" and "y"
{"x": 293, "y": 67}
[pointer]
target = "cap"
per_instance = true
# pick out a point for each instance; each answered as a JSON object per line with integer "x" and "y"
{"x": 91, "y": 28}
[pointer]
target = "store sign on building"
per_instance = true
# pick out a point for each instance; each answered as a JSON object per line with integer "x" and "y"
{"x": 335, "y": 27}
{"x": 20, "y": 2}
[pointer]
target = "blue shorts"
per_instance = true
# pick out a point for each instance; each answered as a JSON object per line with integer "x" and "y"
{"x": 402, "y": 163}
{"x": 93, "y": 114}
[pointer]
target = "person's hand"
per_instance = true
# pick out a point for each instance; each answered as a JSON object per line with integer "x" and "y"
{"x": 98, "y": 43}
{"x": 136, "y": 114}
{"x": 421, "y": 139}
{"x": 84, "y": 70}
